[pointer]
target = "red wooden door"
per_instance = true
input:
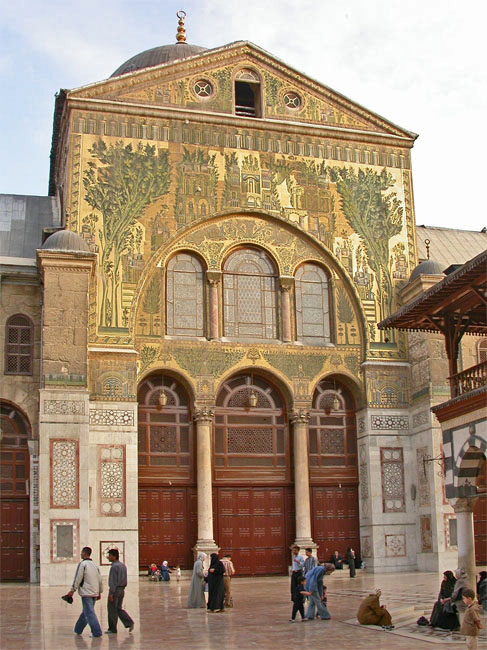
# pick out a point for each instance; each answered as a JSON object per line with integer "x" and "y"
{"x": 335, "y": 519}
{"x": 167, "y": 525}
{"x": 251, "y": 523}
{"x": 480, "y": 519}
{"x": 14, "y": 515}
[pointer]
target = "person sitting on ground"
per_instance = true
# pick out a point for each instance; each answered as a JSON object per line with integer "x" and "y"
{"x": 153, "y": 572}
{"x": 337, "y": 560}
{"x": 165, "y": 571}
{"x": 371, "y": 612}
{"x": 471, "y": 625}
{"x": 461, "y": 583}
{"x": 441, "y": 616}
{"x": 298, "y": 599}
{"x": 482, "y": 590}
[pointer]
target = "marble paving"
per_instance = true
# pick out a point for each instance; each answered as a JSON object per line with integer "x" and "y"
{"x": 35, "y": 618}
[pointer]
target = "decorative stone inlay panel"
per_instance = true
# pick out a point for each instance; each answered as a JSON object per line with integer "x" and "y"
{"x": 363, "y": 473}
{"x": 111, "y": 480}
{"x": 389, "y": 422}
{"x": 111, "y": 417}
{"x": 423, "y": 417}
{"x": 361, "y": 425}
{"x": 392, "y": 471}
{"x": 64, "y": 407}
{"x": 107, "y": 546}
{"x": 395, "y": 545}
{"x": 366, "y": 547}
{"x": 424, "y": 492}
{"x": 64, "y": 540}
{"x": 426, "y": 533}
{"x": 64, "y": 473}
{"x": 449, "y": 528}
{"x": 249, "y": 441}
{"x": 35, "y": 482}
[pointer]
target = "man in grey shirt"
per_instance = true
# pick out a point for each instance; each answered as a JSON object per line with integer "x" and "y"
{"x": 117, "y": 581}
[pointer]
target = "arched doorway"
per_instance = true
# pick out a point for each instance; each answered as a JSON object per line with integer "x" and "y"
{"x": 333, "y": 469}
{"x": 167, "y": 493}
{"x": 14, "y": 498}
{"x": 254, "y": 509}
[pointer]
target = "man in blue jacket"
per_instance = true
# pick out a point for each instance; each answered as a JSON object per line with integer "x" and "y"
{"x": 314, "y": 584}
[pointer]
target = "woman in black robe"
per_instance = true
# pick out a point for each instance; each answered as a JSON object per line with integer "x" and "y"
{"x": 447, "y": 620}
{"x": 216, "y": 589}
{"x": 351, "y": 561}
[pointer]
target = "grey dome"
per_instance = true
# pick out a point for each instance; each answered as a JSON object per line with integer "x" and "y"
{"x": 66, "y": 240}
{"x": 428, "y": 267}
{"x": 157, "y": 56}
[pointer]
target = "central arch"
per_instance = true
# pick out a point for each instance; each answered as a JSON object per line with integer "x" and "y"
{"x": 254, "y": 513}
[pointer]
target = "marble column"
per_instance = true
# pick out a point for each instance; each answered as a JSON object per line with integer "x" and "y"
{"x": 465, "y": 538}
{"x": 300, "y": 420}
{"x": 287, "y": 283}
{"x": 205, "y": 542}
{"x": 214, "y": 278}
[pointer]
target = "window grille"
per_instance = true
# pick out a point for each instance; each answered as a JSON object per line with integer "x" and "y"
{"x": 19, "y": 346}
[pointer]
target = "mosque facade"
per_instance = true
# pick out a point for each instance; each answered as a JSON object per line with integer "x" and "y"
{"x": 192, "y": 359}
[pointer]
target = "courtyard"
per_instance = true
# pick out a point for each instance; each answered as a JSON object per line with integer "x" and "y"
{"x": 35, "y": 618}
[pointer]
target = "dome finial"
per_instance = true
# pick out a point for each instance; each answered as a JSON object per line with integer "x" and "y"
{"x": 181, "y": 34}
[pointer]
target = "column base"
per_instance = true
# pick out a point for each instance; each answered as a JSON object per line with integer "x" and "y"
{"x": 207, "y": 546}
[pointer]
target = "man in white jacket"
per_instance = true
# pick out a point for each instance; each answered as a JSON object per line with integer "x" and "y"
{"x": 87, "y": 581}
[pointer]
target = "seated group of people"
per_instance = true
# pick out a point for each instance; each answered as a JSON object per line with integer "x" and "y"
{"x": 449, "y": 610}
{"x": 162, "y": 573}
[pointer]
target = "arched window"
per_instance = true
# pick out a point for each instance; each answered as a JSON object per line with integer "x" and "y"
{"x": 249, "y": 295}
{"x": 185, "y": 313}
{"x": 482, "y": 351}
{"x": 19, "y": 347}
{"x": 312, "y": 305}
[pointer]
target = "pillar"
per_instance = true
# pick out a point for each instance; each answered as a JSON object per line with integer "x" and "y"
{"x": 205, "y": 542}
{"x": 286, "y": 286}
{"x": 300, "y": 420}
{"x": 214, "y": 279}
{"x": 465, "y": 538}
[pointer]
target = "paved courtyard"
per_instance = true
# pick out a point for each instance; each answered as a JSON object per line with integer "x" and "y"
{"x": 36, "y": 618}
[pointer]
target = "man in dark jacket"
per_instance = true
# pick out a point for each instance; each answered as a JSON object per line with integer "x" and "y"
{"x": 117, "y": 581}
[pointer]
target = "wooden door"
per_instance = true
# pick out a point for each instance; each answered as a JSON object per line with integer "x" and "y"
{"x": 251, "y": 524}
{"x": 167, "y": 526}
{"x": 480, "y": 519}
{"x": 335, "y": 519}
{"x": 14, "y": 515}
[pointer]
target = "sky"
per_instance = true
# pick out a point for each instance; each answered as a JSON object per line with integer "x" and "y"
{"x": 418, "y": 63}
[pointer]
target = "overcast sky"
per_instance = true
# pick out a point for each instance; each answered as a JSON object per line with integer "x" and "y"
{"x": 419, "y": 63}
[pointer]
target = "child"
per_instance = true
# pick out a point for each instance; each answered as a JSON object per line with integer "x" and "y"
{"x": 324, "y": 597}
{"x": 298, "y": 599}
{"x": 178, "y": 573}
{"x": 471, "y": 625}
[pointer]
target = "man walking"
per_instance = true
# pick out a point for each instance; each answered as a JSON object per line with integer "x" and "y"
{"x": 227, "y": 579}
{"x": 117, "y": 581}
{"x": 297, "y": 570}
{"x": 87, "y": 581}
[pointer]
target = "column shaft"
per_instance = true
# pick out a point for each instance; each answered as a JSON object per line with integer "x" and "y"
{"x": 466, "y": 543}
{"x": 301, "y": 479}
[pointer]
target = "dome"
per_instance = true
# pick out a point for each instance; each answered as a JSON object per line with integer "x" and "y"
{"x": 428, "y": 267}
{"x": 67, "y": 241}
{"x": 158, "y": 56}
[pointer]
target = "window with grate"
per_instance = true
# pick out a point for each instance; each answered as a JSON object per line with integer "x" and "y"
{"x": 185, "y": 296}
{"x": 312, "y": 305}
{"x": 332, "y": 429}
{"x": 165, "y": 428}
{"x": 250, "y": 425}
{"x": 19, "y": 345}
{"x": 250, "y": 295}
{"x": 482, "y": 351}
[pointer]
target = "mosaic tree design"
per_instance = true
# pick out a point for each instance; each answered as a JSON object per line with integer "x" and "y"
{"x": 120, "y": 182}
{"x": 376, "y": 216}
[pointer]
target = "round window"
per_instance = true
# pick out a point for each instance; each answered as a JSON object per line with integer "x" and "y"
{"x": 292, "y": 100}
{"x": 203, "y": 88}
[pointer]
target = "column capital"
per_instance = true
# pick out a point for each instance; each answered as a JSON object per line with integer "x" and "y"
{"x": 463, "y": 505}
{"x": 300, "y": 416}
{"x": 214, "y": 277}
{"x": 286, "y": 282}
{"x": 204, "y": 414}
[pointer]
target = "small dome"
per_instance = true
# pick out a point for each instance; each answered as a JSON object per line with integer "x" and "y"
{"x": 66, "y": 240}
{"x": 158, "y": 56}
{"x": 428, "y": 267}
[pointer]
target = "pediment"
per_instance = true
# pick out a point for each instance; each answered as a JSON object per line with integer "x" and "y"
{"x": 287, "y": 95}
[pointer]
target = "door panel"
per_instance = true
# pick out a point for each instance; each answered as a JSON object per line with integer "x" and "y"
{"x": 14, "y": 539}
{"x": 335, "y": 519}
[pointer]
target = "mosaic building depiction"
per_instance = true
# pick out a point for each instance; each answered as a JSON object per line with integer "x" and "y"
{"x": 205, "y": 370}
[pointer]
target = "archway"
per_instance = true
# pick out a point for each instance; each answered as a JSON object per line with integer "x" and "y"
{"x": 14, "y": 499}
{"x": 254, "y": 513}
{"x": 333, "y": 469}
{"x": 167, "y": 493}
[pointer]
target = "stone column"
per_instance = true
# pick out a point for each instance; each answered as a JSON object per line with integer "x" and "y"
{"x": 300, "y": 420}
{"x": 214, "y": 279}
{"x": 205, "y": 542}
{"x": 465, "y": 537}
{"x": 287, "y": 283}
